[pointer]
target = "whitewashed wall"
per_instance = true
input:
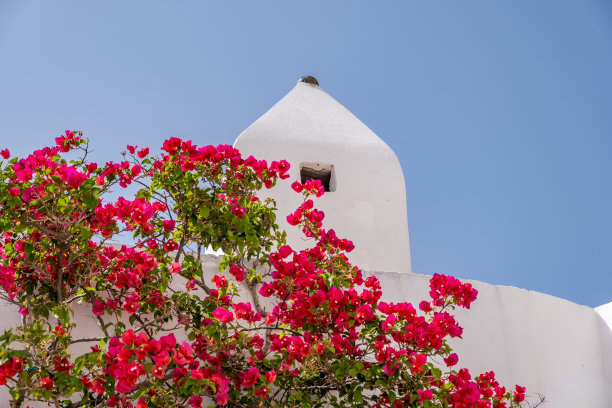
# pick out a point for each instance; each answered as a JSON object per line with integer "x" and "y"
{"x": 368, "y": 205}
{"x": 605, "y": 333}
{"x": 554, "y": 347}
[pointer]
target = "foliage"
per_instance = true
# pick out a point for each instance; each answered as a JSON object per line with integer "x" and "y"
{"x": 272, "y": 327}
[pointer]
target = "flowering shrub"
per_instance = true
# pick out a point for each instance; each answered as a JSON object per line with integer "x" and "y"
{"x": 272, "y": 327}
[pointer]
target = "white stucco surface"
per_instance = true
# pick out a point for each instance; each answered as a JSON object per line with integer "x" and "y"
{"x": 554, "y": 347}
{"x": 605, "y": 332}
{"x": 368, "y": 205}
{"x": 551, "y": 345}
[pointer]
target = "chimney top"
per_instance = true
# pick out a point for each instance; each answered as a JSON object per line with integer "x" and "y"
{"x": 309, "y": 79}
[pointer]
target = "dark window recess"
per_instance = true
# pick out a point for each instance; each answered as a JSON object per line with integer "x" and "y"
{"x": 310, "y": 173}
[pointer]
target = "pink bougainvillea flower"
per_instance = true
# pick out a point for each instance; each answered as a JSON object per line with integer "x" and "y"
{"x": 59, "y": 331}
{"x": 222, "y": 399}
{"x": 266, "y": 289}
{"x": 237, "y": 272}
{"x": 13, "y": 366}
{"x": 190, "y": 285}
{"x": 46, "y": 383}
{"x": 71, "y": 176}
{"x": 220, "y": 281}
{"x": 158, "y": 371}
{"x": 425, "y": 306}
{"x": 317, "y": 299}
{"x": 132, "y": 303}
{"x": 168, "y": 342}
{"x": 293, "y": 219}
{"x": 270, "y": 318}
{"x": 238, "y": 211}
{"x": 451, "y": 360}
{"x": 62, "y": 365}
{"x": 123, "y": 386}
{"x": 162, "y": 358}
{"x": 271, "y": 376}
{"x": 388, "y": 323}
{"x": 98, "y": 308}
{"x": 195, "y": 401}
{"x": 285, "y": 251}
{"x": 184, "y": 354}
{"x": 136, "y": 170}
{"x": 169, "y": 225}
{"x": 223, "y": 315}
{"x": 425, "y": 395}
{"x": 170, "y": 246}
{"x": 417, "y": 361}
{"x": 250, "y": 377}
{"x": 197, "y": 375}
{"x": 519, "y": 394}
{"x": 389, "y": 368}
{"x": 143, "y": 153}
{"x": 296, "y": 186}
{"x": 129, "y": 337}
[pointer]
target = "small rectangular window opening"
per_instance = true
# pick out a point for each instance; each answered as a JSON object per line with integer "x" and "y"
{"x": 319, "y": 171}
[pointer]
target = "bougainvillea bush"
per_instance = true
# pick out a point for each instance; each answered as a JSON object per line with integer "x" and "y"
{"x": 272, "y": 327}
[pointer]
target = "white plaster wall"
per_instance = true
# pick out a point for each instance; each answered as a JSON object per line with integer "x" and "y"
{"x": 87, "y": 326}
{"x": 551, "y": 345}
{"x": 369, "y": 204}
{"x": 605, "y": 332}
{"x": 554, "y": 347}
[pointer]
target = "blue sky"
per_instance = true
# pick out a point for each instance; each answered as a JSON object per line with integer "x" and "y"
{"x": 499, "y": 111}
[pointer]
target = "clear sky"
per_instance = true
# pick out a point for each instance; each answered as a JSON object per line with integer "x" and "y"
{"x": 499, "y": 111}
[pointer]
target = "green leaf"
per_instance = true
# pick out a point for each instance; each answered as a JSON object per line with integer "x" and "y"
{"x": 204, "y": 212}
{"x": 339, "y": 374}
{"x": 91, "y": 201}
{"x": 437, "y": 373}
{"x": 14, "y": 393}
{"x": 85, "y": 234}
{"x": 357, "y": 397}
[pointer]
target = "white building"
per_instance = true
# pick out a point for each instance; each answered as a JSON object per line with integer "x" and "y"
{"x": 366, "y": 198}
{"x": 556, "y": 348}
